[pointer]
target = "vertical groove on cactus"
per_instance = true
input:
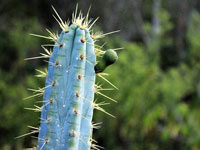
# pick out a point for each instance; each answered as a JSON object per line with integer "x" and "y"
{"x": 68, "y": 96}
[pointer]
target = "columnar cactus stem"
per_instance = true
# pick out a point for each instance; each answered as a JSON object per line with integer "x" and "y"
{"x": 68, "y": 99}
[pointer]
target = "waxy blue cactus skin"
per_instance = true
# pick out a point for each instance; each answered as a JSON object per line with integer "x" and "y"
{"x": 69, "y": 92}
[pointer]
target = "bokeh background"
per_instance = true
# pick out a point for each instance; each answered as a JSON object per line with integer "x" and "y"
{"x": 158, "y": 72}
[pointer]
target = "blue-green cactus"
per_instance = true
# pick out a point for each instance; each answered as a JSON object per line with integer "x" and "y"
{"x": 68, "y": 98}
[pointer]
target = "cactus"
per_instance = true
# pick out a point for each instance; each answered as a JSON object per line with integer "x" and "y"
{"x": 68, "y": 95}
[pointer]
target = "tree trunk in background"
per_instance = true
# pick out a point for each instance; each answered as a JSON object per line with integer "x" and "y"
{"x": 138, "y": 20}
{"x": 180, "y": 29}
{"x": 156, "y": 20}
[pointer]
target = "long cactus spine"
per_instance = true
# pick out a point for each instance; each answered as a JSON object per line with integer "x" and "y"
{"x": 68, "y": 95}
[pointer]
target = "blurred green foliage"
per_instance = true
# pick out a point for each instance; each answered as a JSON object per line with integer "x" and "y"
{"x": 158, "y": 103}
{"x": 156, "y": 109}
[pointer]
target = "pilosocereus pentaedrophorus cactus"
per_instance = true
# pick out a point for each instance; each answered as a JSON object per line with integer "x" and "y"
{"x": 68, "y": 96}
